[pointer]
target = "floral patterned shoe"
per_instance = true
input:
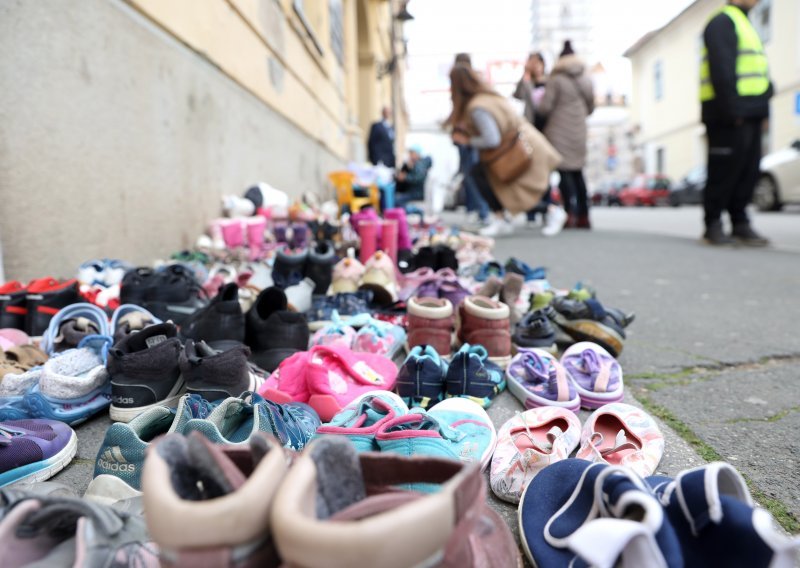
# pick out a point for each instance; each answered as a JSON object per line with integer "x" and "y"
{"x": 621, "y": 434}
{"x": 529, "y": 442}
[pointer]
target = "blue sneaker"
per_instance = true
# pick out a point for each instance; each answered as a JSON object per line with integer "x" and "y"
{"x": 71, "y": 324}
{"x": 456, "y": 429}
{"x": 576, "y": 513}
{"x": 471, "y": 375}
{"x": 238, "y": 418}
{"x": 12, "y": 393}
{"x": 488, "y": 269}
{"x": 119, "y": 462}
{"x": 360, "y": 420}
{"x": 525, "y": 270}
{"x": 34, "y": 450}
{"x": 717, "y": 522}
{"x": 420, "y": 380}
{"x": 379, "y": 337}
{"x": 73, "y": 385}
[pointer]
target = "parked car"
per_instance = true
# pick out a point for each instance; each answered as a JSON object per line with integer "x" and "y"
{"x": 689, "y": 191}
{"x": 779, "y": 182}
{"x": 607, "y": 193}
{"x": 649, "y": 190}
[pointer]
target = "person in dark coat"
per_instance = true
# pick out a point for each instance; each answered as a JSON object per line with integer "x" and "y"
{"x": 380, "y": 145}
{"x": 411, "y": 177}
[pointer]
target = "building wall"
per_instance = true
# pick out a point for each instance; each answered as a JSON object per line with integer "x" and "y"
{"x": 673, "y": 121}
{"x": 122, "y": 123}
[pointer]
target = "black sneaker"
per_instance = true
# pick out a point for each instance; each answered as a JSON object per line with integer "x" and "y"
{"x": 272, "y": 332}
{"x": 587, "y": 320}
{"x": 174, "y": 294}
{"x": 45, "y": 297}
{"x": 220, "y": 323}
{"x": 745, "y": 235}
{"x": 215, "y": 375}
{"x": 535, "y": 329}
{"x": 715, "y": 236}
{"x": 319, "y": 267}
{"x": 426, "y": 256}
{"x": 445, "y": 257}
{"x": 13, "y": 308}
{"x": 145, "y": 372}
{"x": 289, "y": 267}
{"x": 134, "y": 286}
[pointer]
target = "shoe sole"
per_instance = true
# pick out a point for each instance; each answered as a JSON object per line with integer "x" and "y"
{"x": 49, "y": 468}
{"x": 590, "y": 330}
{"x": 109, "y": 489}
{"x": 552, "y": 349}
{"x": 127, "y": 414}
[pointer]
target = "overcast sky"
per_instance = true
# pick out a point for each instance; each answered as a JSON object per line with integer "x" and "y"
{"x": 501, "y": 30}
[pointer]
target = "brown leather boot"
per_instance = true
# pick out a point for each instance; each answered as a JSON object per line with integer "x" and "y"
{"x": 582, "y": 222}
{"x": 572, "y": 221}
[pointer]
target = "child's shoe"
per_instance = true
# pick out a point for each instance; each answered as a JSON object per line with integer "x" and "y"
{"x": 347, "y": 275}
{"x": 472, "y": 376}
{"x": 486, "y": 322}
{"x": 421, "y": 379}
{"x": 380, "y": 338}
{"x": 362, "y": 418}
{"x": 380, "y": 277}
{"x": 536, "y": 378}
{"x": 596, "y": 374}
{"x": 430, "y": 322}
{"x": 336, "y": 333}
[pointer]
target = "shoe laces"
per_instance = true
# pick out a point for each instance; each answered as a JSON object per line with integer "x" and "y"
{"x": 621, "y": 442}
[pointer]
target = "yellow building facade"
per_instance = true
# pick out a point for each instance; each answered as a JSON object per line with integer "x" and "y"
{"x": 665, "y": 106}
{"x": 143, "y": 113}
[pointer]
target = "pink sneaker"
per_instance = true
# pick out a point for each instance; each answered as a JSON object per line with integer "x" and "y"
{"x": 621, "y": 434}
{"x": 411, "y": 281}
{"x": 347, "y": 276}
{"x": 380, "y": 276}
{"x": 288, "y": 382}
{"x": 337, "y": 375}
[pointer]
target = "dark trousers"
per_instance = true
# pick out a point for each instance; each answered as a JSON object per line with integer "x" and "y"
{"x": 734, "y": 153}
{"x": 573, "y": 192}
{"x": 478, "y": 174}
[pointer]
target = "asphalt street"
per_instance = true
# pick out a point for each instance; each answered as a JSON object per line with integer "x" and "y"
{"x": 713, "y": 353}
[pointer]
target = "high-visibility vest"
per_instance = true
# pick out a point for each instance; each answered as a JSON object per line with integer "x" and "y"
{"x": 751, "y": 63}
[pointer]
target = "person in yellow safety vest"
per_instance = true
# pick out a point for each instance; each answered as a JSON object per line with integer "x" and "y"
{"x": 734, "y": 92}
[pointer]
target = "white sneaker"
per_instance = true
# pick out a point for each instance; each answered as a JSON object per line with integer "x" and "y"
{"x": 299, "y": 295}
{"x": 519, "y": 220}
{"x": 556, "y": 219}
{"x": 497, "y": 228}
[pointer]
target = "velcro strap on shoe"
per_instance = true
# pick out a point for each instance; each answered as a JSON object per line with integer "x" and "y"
{"x": 597, "y": 309}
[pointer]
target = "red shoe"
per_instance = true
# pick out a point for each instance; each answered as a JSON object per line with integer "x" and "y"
{"x": 46, "y": 296}
{"x": 486, "y": 322}
{"x": 430, "y": 322}
{"x": 582, "y": 222}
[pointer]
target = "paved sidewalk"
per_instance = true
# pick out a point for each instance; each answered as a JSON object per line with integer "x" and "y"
{"x": 713, "y": 351}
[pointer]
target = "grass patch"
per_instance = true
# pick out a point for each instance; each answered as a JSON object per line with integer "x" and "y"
{"x": 779, "y": 511}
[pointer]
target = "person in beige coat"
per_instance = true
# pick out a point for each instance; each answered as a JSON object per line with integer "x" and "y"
{"x": 568, "y": 100}
{"x": 482, "y": 118}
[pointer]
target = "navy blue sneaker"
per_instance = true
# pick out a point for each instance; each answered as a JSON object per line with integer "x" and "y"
{"x": 527, "y": 272}
{"x": 588, "y": 320}
{"x": 471, "y": 375}
{"x": 536, "y": 330}
{"x": 346, "y": 304}
{"x": 577, "y": 513}
{"x": 716, "y": 521}
{"x": 420, "y": 380}
{"x": 490, "y": 269}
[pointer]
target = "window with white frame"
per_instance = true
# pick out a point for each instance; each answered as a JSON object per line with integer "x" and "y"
{"x": 658, "y": 79}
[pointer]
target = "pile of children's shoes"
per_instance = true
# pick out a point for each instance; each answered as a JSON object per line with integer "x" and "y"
{"x": 306, "y": 388}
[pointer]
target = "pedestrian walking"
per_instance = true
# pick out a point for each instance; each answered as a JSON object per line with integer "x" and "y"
{"x": 568, "y": 100}
{"x": 515, "y": 159}
{"x": 380, "y": 144}
{"x": 734, "y": 92}
{"x": 477, "y": 209}
{"x": 530, "y": 90}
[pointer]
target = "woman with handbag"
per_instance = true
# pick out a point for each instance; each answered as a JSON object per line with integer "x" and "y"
{"x": 515, "y": 158}
{"x": 568, "y": 100}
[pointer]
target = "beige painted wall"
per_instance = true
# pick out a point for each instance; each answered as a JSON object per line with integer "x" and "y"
{"x": 123, "y": 122}
{"x": 117, "y": 140}
{"x": 673, "y": 123}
